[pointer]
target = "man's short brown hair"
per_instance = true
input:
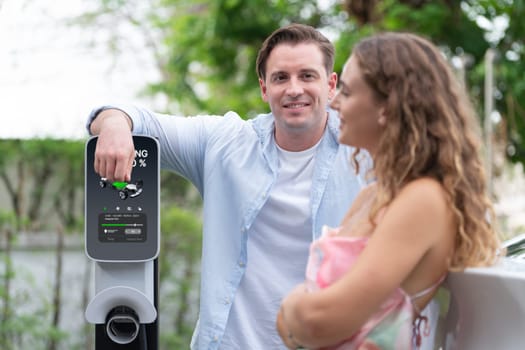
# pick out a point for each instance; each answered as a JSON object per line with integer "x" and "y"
{"x": 294, "y": 34}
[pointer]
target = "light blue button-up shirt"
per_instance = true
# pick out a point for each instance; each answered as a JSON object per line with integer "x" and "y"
{"x": 234, "y": 163}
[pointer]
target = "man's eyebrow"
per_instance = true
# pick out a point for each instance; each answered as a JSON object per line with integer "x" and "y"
{"x": 278, "y": 72}
{"x": 310, "y": 70}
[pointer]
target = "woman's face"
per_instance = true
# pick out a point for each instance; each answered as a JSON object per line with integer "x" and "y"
{"x": 362, "y": 115}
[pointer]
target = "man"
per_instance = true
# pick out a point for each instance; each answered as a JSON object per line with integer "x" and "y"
{"x": 268, "y": 184}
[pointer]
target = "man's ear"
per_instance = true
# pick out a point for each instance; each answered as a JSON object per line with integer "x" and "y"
{"x": 332, "y": 85}
{"x": 262, "y": 85}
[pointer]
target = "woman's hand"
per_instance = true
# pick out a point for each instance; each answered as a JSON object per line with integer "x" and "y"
{"x": 282, "y": 323}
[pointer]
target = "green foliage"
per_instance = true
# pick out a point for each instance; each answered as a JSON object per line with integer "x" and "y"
{"x": 510, "y": 65}
{"x": 509, "y": 68}
{"x": 35, "y": 170}
{"x": 176, "y": 190}
{"x": 7, "y": 220}
{"x": 32, "y": 172}
{"x": 27, "y": 327}
{"x": 402, "y": 16}
{"x": 454, "y": 26}
{"x": 182, "y": 228}
{"x": 179, "y": 275}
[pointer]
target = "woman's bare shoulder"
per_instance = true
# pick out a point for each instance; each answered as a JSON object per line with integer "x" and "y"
{"x": 424, "y": 191}
{"x": 421, "y": 206}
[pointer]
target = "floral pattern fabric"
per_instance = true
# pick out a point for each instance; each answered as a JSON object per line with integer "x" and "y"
{"x": 393, "y": 326}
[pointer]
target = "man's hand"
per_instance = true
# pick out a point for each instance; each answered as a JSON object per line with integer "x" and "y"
{"x": 115, "y": 151}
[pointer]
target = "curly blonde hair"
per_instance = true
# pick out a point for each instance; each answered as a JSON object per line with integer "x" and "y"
{"x": 432, "y": 131}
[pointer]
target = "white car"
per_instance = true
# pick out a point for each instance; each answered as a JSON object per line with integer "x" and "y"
{"x": 487, "y": 305}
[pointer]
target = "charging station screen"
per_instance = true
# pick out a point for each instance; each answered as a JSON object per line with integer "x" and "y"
{"x": 122, "y": 227}
{"x": 122, "y": 217}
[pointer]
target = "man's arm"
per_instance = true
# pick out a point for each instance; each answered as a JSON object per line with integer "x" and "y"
{"x": 115, "y": 151}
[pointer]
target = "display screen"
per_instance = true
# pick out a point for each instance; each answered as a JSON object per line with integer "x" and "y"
{"x": 122, "y": 227}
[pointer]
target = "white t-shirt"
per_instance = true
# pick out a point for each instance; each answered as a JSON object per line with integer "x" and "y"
{"x": 278, "y": 244}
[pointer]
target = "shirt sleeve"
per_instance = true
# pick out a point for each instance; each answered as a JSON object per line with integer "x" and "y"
{"x": 183, "y": 140}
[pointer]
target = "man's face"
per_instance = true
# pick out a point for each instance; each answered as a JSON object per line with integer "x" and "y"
{"x": 297, "y": 88}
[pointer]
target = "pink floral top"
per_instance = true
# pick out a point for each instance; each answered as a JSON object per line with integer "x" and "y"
{"x": 393, "y": 326}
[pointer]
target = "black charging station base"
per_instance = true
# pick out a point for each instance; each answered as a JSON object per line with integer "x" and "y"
{"x": 103, "y": 342}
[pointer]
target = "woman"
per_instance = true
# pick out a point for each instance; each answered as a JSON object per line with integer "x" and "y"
{"x": 425, "y": 214}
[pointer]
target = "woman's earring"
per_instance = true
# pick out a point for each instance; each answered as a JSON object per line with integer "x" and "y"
{"x": 382, "y": 120}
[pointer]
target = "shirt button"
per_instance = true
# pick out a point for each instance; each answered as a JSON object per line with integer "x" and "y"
{"x": 241, "y": 263}
{"x": 215, "y": 338}
{"x": 226, "y": 300}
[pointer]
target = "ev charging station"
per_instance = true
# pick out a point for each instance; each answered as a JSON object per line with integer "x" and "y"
{"x": 122, "y": 237}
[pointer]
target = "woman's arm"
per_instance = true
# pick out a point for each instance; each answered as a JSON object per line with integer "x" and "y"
{"x": 416, "y": 231}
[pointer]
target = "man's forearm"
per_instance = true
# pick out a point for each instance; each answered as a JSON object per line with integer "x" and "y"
{"x": 113, "y": 117}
